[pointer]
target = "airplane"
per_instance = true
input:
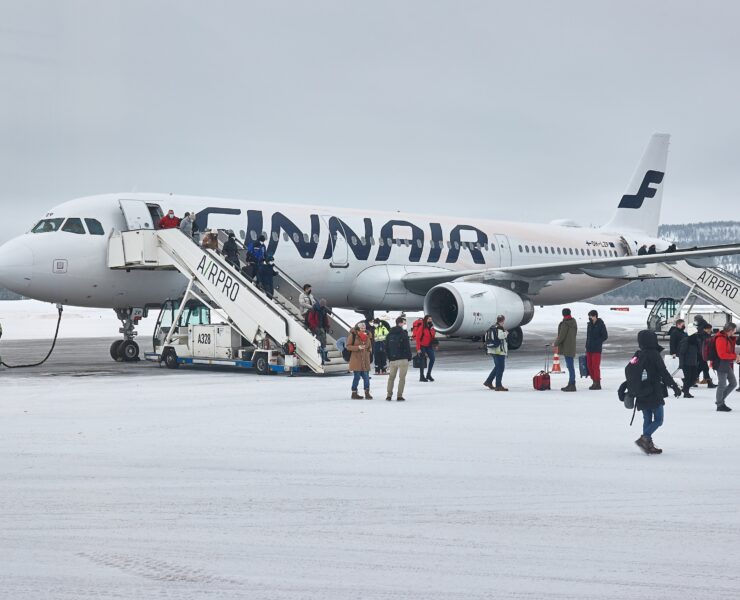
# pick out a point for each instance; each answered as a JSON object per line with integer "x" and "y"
{"x": 461, "y": 271}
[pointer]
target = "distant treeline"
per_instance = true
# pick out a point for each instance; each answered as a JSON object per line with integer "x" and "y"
{"x": 684, "y": 236}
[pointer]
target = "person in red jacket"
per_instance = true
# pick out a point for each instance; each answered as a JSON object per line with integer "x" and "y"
{"x": 169, "y": 221}
{"x": 725, "y": 367}
{"x": 424, "y": 335}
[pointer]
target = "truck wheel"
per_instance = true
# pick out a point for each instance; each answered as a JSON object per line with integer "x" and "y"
{"x": 262, "y": 365}
{"x": 114, "y": 351}
{"x": 515, "y": 338}
{"x": 170, "y": 359}
{"x": 129, "y": 351}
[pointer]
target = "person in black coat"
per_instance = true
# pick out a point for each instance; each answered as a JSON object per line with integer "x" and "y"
{"x": 675, "y": 335}
{"x": 596, "y": 335}
{"x": 265, "y": 272}
{"x": 654, "y": 390}
{"x": 398, "y": 349}
{"x": 704, "y": 329}
{"x": 689, "y": 355}
{"x": 231, "y": 251}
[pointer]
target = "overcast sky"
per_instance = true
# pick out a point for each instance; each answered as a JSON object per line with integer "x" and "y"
{"x": 517, "y": 110}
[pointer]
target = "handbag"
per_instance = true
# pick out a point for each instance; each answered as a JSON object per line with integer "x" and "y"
{"x": 420, "y": 361}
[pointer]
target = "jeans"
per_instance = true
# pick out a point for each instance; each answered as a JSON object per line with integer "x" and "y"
{"x": 365, "y": 375}
{"x": 571, "y": 370}
{"x": 499, "y": 364}
{"x": 400, "y": 367}
{"x": 652, "y": 418}
{"x": 593, "y": 361}
{"x": 429, "y": 351}
{"x": 726, "y": 381}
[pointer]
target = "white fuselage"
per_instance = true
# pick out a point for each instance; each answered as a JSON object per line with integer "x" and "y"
{"x": 354, "y": 258}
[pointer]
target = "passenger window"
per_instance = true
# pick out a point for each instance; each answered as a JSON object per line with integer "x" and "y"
{"x": 94, "y": 227}
{"x": 276, "y": 237}
{"x": 418, "y": 244}
{"x": 520, "y": 248}
{"x": 74, "y": 225}
{"x": 306, "y": 238}
{"x": 546, "y": 252}
{"x": 570, "y": 251}
{"x": 315, "y": 238}
{"x": 381, "y": 242}
{"x": 285, "y": 236}
{"x": 47, "y": 225}
{"x": 558, "y": 250}
{"x": 253, "y": 235}
{"x": 296, "y": 238}
{"x": 539, "y": 249}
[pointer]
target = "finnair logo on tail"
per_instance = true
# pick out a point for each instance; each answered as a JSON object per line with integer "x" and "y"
{"x": 645, "y": 191}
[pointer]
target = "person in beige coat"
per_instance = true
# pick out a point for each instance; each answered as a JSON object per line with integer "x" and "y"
{"x": 360, "y": 344}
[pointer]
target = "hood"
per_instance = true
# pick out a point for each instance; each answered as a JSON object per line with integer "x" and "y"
{"x": 570, "y": 323}
{"x": 647, "y": 340}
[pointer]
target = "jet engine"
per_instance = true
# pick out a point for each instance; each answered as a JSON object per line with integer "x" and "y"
{"x": 468, "y": 309}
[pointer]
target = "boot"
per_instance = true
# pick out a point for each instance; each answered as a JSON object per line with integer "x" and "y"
{"x": 643, "y": 443}
{"x": 367, "y": 395}
{"x": 596, "y": 385}
{"x": 723, "y": 408}
{"x": 652, "y": 449}
{"x": 571, "y": 387}
{"x": 421, "y": 376}
{"x": 400, "y": 399}
{"x": 355, "y": 395}
{"x": 686, "y": 394}
{"x": 711, "y": 384}
{"x": 501, "y": 388}
{"x": 429, "y": 377}
{"x": 488, "y": 385}
{"x": 389, "y": 398}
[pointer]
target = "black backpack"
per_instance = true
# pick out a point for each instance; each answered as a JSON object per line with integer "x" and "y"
{"x": 636, "y": 375}
{"x": 346, "y": 354}
{"x": 492, "y": 341}
{"x": 712, "y": 355}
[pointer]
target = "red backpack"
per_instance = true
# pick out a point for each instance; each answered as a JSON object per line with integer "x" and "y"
{"x": 709, "y": 350}
{"x": 417, "y": 328}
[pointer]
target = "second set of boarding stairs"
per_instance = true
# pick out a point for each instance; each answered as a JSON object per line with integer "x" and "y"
{"x": 715, "y": 284}
{"x": 247, "y": 308}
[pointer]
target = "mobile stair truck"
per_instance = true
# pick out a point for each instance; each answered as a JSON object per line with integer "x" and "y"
{"x": 715, "y": 285}
{"x": 250, "y": 330}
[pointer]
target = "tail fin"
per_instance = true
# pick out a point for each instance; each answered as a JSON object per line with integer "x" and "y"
{"x": 639, "y": 209}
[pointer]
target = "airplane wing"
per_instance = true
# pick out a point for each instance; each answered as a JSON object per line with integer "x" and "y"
{"x": 536, "y": 276}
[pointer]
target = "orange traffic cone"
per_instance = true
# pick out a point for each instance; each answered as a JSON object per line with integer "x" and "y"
{"x": 555, "y": 361}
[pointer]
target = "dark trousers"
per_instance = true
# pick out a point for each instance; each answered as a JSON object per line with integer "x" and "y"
{"x": 429, "y": 351}
{"x": 689, "y": 378}
{"x": 704, "y": 368}
{"x": 499, "y": 364}
{"x": 381, "y": 358}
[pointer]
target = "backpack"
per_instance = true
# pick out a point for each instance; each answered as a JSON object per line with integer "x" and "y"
{"x": 635, "y": 374}
{"x": 492, "y": 340}
{"x": 416, "y": 328}
{"x": 346, "y": 354}
{"x": 711, "y": 350}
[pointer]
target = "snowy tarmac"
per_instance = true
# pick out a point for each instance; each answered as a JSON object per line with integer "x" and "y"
{"x": 149, "y": 483}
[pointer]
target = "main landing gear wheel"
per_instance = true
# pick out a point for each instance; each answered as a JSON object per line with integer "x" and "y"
{"x": 170, "y": 359}
{"x": 129, "y": 350}
{"x": 262, "y": 365}
{"x": 115, "y": 351}
{"x": 515, "y": 338}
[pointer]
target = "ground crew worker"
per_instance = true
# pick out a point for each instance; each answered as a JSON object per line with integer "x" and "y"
{"x": 380, "y": 333}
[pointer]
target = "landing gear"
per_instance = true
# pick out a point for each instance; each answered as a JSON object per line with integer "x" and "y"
{"x": 515, "y": 338}
{"x": 127, "y": 350}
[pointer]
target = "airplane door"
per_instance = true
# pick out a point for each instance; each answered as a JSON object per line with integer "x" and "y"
{"x": 504, "y": 249}
{"x": 339, "y": 246}
{"x": 137, "y": 214}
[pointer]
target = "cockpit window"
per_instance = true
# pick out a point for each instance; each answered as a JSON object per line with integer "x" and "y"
{"x": 73, "y": 225}
{"x": 47, "y": 225}
{"x": 94, "y": 227}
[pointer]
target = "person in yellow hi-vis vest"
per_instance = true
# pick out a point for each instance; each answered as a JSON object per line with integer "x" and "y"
{"x": 380, "y": 332}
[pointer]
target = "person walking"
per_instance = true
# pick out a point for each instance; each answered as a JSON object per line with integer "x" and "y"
{"x": 596, "y": 335}
{"x": 689, "y": 355}
{"x": 654, "y": 389}
{"x": 566, "y": 343}
{"x": 424, "y": 335}
{"x": 398, "y": 348}
{"x": 231, "y": 251}
{"x": 169, "y": 221}
{"x": 265, "y": 274}
{"x": 186, "y": 225}
{"x": 724, "y": 343}
{"x": 306, "y": 301}
{"x": 360, "y": 343}
{"x": 380, "y": 332}
{"x": 704, "y": 328}
{"x": 497, "y": 348}
{"x": 675, "y": 335}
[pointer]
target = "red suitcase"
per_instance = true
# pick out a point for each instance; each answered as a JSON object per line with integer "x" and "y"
{"x": 541, "y": 381}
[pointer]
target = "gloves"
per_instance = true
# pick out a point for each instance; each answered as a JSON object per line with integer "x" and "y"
{"x": 677, "y": 391}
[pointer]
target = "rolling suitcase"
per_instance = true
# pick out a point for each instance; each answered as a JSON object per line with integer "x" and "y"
{"x": 541, "y": 381}
{"x": 582, "y": 366}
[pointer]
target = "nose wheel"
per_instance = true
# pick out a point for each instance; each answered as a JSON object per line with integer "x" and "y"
{"x": 127, "y": 350}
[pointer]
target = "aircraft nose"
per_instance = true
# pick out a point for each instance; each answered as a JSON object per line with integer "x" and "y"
{"x": 16, "y": 266}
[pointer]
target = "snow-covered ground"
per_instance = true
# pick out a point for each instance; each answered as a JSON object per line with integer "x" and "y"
{"x": 201, "y": 484}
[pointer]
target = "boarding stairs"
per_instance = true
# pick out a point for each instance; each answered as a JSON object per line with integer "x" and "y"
{"x": 714, "y": 284}
{"x": 247, "y": 308}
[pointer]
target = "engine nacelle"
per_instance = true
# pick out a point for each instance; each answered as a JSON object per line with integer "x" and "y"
{"x": 468, "y": 309}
